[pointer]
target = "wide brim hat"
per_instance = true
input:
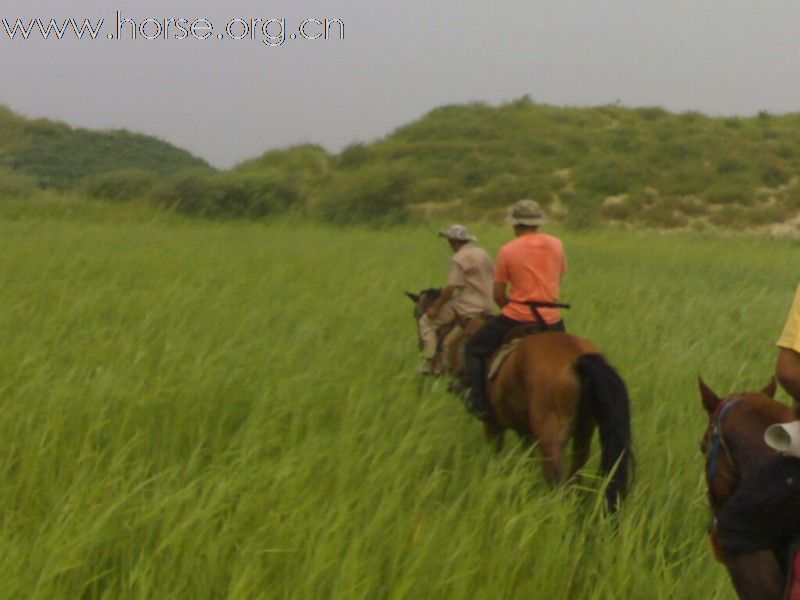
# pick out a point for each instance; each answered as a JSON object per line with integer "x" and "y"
{"x": 784, "y": 437}
{"x": 527, "y": 213}
{"x": 457, "y": 233}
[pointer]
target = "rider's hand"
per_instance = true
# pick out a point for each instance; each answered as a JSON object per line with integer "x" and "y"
{"x": 432, "y": 312}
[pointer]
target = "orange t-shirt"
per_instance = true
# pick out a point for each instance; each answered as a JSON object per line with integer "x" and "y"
{"x": 533, "y": 264}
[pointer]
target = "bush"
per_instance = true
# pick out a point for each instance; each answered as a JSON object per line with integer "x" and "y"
{"x": 584, "y": 211}
{"x": 233, "y": 194}
{"x": 792, "y": 198}
{"x": 434, "y": 189}
{"x": 663, "y": 214}
{"x": 475, "y": 170}
{"x": 652, "y": 113}
{"x": 353, "y": 156}
{"x": 785, "y": 150}
{"x": 16, "y": 185}
{"x": 774, "y": 173}
{"x": 505, "y": 189}
{"x": 730, "y": 191}
{"x": 610, "y": 176}
{"x": 689, "y": 205}
{"x": 731, "y": 164}
{"x": 768, "y": 214}
{"x": 256, "y": 194}
{"x": 620, "y": 211}
{"x": 190, "y": 192}
{"x": 729, "y": 216}
{"x": 307, "y": 163}
{"x": 374, "y": 193}
{"x": 121, "y": 185}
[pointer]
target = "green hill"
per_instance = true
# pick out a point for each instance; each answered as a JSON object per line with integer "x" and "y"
{"x": 55, "y": 155}
{"x": 644, "y": 165}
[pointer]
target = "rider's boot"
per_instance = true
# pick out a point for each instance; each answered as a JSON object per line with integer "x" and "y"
{"x": 476, "y": 402}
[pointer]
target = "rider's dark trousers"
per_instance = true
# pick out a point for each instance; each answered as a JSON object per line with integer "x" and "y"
{"x": 485, "y": 341}
{"x": 764, "y": 511}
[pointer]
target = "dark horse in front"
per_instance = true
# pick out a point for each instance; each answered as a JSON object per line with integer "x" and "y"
{"x": 551, "y": 387}
{"x": 748, "y": 489}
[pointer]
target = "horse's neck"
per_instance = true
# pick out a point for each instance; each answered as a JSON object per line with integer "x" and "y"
{"x": 749, "y": 450}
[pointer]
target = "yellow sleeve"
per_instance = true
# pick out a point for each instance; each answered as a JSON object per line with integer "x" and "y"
{"x": 790, "y": 337}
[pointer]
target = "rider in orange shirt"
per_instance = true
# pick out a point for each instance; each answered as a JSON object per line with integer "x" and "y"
{"x": 528, "y": 269}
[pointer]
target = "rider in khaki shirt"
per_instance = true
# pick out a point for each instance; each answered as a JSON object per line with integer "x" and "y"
{"x": 467, "y": 293}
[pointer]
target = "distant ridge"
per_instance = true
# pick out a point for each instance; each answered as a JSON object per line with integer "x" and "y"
{"x": 58, "y": 156}
{"x": 635, "y": 166}
{"x": 638, "y": 165}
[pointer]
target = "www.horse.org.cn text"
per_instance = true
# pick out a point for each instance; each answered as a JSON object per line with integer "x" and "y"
{"x": 272, "y": 32}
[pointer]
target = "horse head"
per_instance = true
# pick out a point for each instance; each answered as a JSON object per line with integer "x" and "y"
{"x": 423, "y": 300}
{"x": 733, "y": 442}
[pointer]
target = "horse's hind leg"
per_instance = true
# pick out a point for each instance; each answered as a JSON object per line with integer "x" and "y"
{"x": 581, "y": 444}
{"x": 552, "y": 436}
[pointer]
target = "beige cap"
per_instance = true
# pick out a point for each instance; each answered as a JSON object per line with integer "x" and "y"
{"x": 526, "y": 212}
{"x": 784, "y": 437}
{"x": 457, "y": 233}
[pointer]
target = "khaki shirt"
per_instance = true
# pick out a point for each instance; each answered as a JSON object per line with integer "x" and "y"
{"x": 471, "y": 271}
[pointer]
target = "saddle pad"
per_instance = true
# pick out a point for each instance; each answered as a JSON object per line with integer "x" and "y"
{"x": 501, "y": 355}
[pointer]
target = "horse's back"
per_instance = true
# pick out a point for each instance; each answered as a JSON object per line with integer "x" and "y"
{"x": 559, "y": 345}
{"x": 541, "y": 378}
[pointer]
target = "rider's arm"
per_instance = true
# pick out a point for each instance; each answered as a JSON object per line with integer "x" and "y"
{"x": 500, "y": 280}
{"x": 499, "y": 294}
{"x": 788, "y": 371}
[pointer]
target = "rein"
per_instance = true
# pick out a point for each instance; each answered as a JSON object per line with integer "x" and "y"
{"x": 535, "y": 306}
{"x": 716, "y": 442}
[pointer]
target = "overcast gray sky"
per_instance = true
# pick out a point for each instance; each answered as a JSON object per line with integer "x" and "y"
{"x": 228, "y": 100}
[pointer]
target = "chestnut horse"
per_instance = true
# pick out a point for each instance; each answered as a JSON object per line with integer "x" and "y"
{"x": 733, "y": 446}
{"x": 552, "y": 387}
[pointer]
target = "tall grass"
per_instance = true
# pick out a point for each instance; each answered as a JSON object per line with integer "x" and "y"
{"x": 207, "y": 410}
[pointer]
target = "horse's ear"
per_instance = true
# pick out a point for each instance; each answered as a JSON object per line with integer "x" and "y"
{"x": 769, "y": 389}
{"x": 709, "y": 398}
{"x": 414, "y": 297}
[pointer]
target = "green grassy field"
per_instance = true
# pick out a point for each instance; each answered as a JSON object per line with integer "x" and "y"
{"x": 193, "y": 409}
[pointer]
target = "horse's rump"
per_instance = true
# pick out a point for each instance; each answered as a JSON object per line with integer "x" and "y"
{"x": 556, "y": 385}
{"x": 542, "y": 364}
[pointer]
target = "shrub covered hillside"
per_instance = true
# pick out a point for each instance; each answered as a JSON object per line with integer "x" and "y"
{"x": 643, "y": 165}
{"x": 53, "y": 155}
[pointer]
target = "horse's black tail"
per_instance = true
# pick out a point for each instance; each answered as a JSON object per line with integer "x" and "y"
{"x": 604, "y": 393}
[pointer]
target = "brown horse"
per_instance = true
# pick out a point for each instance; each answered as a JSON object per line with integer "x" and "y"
{"x": 555, "y": 386}
{"x": 734, "y": 447}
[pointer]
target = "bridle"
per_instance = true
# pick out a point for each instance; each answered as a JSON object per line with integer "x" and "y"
{"x": 715, "y": 444}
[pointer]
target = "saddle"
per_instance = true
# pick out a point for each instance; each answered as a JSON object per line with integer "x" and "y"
{"x": 510, "y": 343}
